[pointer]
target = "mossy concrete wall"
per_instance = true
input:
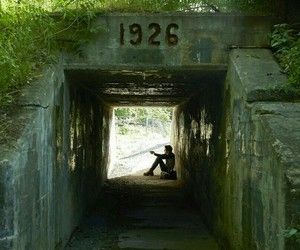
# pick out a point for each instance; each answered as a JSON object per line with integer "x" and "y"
{"x": 54, "y": 163}
{"x": 195, "y": 132}
{"x": 245, "y": 174}
{"x": 262, "y": 143}
{"x": 168, "y": 40}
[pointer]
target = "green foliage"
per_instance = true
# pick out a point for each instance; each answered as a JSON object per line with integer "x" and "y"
{"x": 23, "y": 46}
{"x": 30, "y": 37}
{"x": 31, "y": 33}
{"x": 285, "y": 42}
{"x": 139, "y": 115}
{"x": 148, "y": 5}
{"x": 131, "y": 120}
{"x": 263, "y": 7}
{"x": 293, "y": 234}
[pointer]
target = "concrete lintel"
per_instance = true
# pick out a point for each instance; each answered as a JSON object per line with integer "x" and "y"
{"x": 145, "y": 68}
{"x": 171, "y": 39}
{"x": 183, "y": 14}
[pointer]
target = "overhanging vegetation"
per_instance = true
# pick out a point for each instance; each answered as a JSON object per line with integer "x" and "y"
{"x": 33, "y": 31}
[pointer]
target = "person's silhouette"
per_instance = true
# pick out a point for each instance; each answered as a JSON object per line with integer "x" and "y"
{"x": 165, "y": 167}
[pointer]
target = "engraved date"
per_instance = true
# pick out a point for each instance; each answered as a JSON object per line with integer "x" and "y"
{"x": 136, "y": 34}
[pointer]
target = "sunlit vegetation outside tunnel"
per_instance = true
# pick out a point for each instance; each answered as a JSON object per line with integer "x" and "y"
{"x": 136, "y": 131}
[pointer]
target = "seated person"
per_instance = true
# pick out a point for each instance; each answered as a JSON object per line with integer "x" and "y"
{"x": 165, "y": 167}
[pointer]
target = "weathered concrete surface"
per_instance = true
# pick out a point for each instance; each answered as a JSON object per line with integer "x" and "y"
{"x": 138, "y": 212}
{"x": 256, "y": 75}
{"x": 202, "y": 39}
{"x": 195, "y": 136}
{"x": 26, "y": 162}
{"x": 279, "y": 150}
{"x": 52, "y": 168}
{"x": 262, "y": 150}
{"x": 167, "y": 87}
{"x": 247, "y": 184}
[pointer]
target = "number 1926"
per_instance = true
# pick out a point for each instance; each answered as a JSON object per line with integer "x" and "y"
{"x": 137, "y": 34}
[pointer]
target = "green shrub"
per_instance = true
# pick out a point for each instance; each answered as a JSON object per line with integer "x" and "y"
{"x": 285, "y": 42}
{"x": 30, "y": 37}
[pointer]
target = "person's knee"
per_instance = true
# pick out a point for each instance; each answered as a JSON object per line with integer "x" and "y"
{"x": 159, "y": 159}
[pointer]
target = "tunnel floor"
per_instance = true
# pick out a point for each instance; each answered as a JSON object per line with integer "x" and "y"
{"x": 138, "y": 212}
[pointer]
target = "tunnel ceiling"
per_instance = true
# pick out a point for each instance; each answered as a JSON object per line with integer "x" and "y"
{"x": 145, "y": 87}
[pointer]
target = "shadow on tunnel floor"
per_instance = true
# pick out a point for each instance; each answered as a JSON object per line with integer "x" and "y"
{"x": 139, "y": 212}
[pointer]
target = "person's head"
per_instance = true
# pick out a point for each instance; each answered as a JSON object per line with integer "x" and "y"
{"x": 168, "y": 149}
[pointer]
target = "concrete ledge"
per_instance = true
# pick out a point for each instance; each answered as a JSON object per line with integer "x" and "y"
{"x": 262, "y": 180}
{"x": 6, "y": 243}
{"x": 283, "y": 123}
{"x": 259, "y": 76}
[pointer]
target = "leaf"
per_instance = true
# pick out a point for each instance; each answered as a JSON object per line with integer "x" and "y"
{"x": 290, "y": 232}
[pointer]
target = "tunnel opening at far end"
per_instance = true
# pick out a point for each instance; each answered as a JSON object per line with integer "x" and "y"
{"x": 194, "y": 100}
{"x": 135, "y": 132}
{"x": 193, "y": 94}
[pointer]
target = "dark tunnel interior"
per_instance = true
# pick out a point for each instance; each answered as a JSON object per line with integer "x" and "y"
{"x": 196, "y": 94}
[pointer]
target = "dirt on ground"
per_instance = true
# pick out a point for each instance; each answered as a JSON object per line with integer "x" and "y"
{"x": 139, "y": 212}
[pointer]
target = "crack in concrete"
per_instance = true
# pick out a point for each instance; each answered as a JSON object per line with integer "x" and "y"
{"x": 34, "y": 105}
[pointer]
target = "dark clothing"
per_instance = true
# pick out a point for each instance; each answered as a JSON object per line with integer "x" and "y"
{"x": 166, "y": 167}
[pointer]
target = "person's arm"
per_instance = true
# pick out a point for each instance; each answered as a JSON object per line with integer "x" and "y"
{"x": 163, "y": 156}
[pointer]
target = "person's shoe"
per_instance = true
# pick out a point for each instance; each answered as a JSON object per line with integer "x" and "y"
{"x": 149, "y": 173}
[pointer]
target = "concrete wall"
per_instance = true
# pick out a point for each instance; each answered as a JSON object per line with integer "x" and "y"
{"x": 53, "y": 165}
{"x": 247, "y": 185}
{"x": 202, "y": 39}
{"x": 262, "y": 155}
{"x": 195, "y": 131}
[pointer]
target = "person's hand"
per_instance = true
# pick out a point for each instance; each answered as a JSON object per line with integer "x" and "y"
{"x": 152, "y": 152}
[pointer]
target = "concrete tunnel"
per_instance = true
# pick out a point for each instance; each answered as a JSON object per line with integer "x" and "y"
{"x": 195, "y": 93}
{"x": 227, "y": 125}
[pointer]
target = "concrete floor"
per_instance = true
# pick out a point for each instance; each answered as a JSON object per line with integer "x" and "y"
{"x": 137, "y": 212}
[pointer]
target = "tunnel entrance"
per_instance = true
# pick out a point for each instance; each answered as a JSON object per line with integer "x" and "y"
{"x": 195, "y": 95}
